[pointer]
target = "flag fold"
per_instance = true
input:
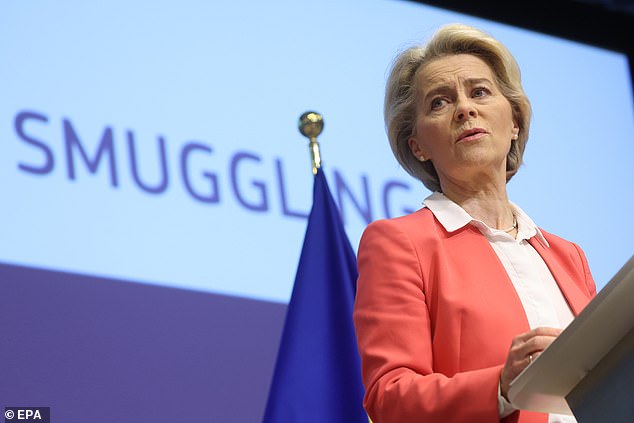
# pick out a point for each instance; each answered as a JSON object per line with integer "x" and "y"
{"x": 317, "y": 375}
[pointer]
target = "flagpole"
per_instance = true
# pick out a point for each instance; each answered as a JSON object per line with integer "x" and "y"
{"x": 317, "y": 376}
{"x": 310, "y": 125}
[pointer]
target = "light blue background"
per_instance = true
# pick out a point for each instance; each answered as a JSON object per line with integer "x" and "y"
{"x": 236, "y": 76}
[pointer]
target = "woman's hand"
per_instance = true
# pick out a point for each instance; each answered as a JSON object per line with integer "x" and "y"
{"x": 524, "y": 349}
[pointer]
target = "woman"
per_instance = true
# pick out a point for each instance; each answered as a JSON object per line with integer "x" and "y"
{"x": 456, "y": 299}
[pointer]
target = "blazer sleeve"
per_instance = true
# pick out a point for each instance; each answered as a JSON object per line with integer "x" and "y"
{"x": 393, "y": 325}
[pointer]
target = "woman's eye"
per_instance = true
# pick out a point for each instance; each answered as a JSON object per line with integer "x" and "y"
{"x": 437, "y": 103}
{"x": 480, "y": 92}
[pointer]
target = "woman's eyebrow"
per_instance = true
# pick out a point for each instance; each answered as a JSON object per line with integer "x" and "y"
{"x": 477, "y": 81}
{"x": 440, "y": 88}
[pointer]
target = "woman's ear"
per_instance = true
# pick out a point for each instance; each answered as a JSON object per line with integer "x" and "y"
{"x": 417, "y": 149}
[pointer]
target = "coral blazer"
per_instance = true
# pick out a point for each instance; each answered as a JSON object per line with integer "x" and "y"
{"x": 435, "y": 315}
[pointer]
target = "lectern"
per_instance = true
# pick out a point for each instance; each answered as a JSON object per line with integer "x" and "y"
{"x": 588, "y": 370}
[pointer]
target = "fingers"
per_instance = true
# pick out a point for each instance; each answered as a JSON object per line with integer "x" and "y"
{"x": 541, "y": 331}
{"x": 532, "y": 357}
{"x": 525, "y": 348}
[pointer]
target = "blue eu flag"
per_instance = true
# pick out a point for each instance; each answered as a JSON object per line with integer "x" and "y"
{"x": 317, "y": 376}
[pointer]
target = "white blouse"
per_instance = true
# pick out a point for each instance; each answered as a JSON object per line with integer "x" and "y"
{"x": 543, "y": 301}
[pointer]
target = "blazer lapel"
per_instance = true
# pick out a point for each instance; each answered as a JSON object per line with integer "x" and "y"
{"x": 574, "y": 296}
{"x": 477, "y": 257}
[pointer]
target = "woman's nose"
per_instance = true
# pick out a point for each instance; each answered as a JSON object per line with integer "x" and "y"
{"x": 465, "y": 109}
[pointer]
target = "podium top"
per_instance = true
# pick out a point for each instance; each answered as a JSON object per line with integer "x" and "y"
{"x": 544, "y": 384}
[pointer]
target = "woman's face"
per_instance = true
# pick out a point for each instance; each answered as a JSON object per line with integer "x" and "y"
{"x": 464, "y": 124}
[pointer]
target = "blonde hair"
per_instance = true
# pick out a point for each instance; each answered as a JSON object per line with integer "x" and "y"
{"x": 401, "y": 90}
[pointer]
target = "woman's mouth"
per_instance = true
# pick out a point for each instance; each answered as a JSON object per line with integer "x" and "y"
{"x": 471, "y": 135}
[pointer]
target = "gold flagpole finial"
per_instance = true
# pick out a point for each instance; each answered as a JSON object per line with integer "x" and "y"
{"x": 310, "y": 125}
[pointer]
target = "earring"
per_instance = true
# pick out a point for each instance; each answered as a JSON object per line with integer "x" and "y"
{"x": 515, "y": 136}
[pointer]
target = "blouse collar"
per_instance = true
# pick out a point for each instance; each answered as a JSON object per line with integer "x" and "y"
{"x": 453, "y": 217}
